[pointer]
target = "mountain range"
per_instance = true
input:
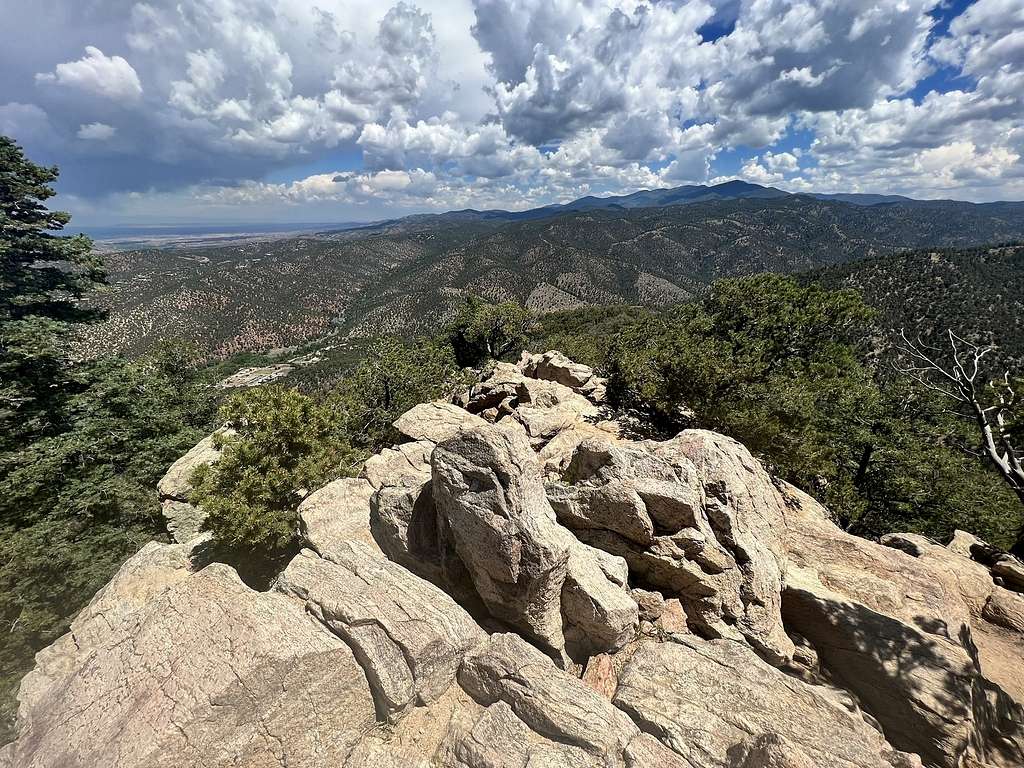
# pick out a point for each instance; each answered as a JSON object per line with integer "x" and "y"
{"x": 408, "y": 275}
{"x": 694, "y": 193}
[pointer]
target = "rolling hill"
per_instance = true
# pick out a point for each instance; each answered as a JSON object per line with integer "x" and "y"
{"x": 407, "y": 275}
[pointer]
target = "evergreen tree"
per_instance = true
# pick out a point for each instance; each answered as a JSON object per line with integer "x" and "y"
{"x": 483, "y": 331}
{"x": 42, "y": 276}
{"x": 82, "y": 444}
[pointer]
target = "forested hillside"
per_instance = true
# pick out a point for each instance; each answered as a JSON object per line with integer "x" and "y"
{"x": 978, "y": 292}
{"x": 408, "y": 276}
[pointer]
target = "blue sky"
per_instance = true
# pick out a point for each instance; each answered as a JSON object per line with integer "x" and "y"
{"x": 168, "y": 111}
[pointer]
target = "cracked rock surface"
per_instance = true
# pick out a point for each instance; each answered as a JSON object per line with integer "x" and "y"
{"x": 517, "y": 585}
{"x": 706, "y": 698}
{"x": 173, "y": 668}
{"x": 408, "y": 635}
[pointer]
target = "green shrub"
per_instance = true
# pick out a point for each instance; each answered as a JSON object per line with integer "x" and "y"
{"x": 287, "y": 443}
{"x": 482, "y": 331}
{"x": 284, "y": 444}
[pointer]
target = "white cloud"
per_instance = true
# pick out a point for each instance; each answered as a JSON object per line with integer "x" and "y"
{"x": 781, "y": 162}
{"x": 109, "y": 76}
{"x": 96, "y": 132}
{"x": 804, "y": 76}
{"x": 520, "y": 102}
{"x": 17, "y": 120}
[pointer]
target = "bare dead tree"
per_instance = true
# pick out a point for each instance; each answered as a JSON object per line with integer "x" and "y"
{"x": 957, "y": 374}
{"x": 990, "y": 403}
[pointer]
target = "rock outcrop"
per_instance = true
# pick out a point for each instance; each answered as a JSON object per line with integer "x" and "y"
{"x": 695, "y": 515}
{"x": 554, "y": 366}
{"x": 529, "y": 571}
{"x": 708, "y": 700}
{"x": 185, "y": 520}
{"x": 905, "y": 633}
{"x": 488, "y": 490}
{"x": 167, "y": 667}
{"x": 518, "y": 585}
{"x": 408, "y": 635}
{"x": 544, "y": 408}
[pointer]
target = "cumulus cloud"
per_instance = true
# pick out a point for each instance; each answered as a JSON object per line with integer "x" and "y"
{"x": 109, "y": 76}
{"x": 965, "y": 141}
{"x": 96, "y": 132}
{"x": 425, "y": 104}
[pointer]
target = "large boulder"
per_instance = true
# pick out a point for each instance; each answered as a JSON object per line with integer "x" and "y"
{"x": 916, "y": 681}
{"x": 1011, "y": 571}
{"x": 885, "y": 579}
{"x": 184, "y": 520}
{"x": 545, "y": 408}
{"x": 708, "y": 699}
{"x": 336, "y": 514}
{"x": 402, "y": 517}
{"x": 554, "y": 366}
{"x": 1006, "y": 609}
{"x": 170, "y": 668}
{"x": 1006, "y": 569}
{"x": 995, "y": 614}
{"x": 695, "y": 515}
{"x": 556, "y": 455}
{"x": 430, "y": 539}
{"x": 746, "y": 515}
{"x": 903, "y": 633}
{"x": 964, "y": 544}
{"x": 488, "y": 489}
{"x": 367, "y": 601}
{"x": 404, "y": 523}
{"x": 500, "y": 388}
{"x": 436, "y": 421}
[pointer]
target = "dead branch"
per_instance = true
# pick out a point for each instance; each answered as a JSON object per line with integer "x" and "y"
{"x": 957, "y": 378}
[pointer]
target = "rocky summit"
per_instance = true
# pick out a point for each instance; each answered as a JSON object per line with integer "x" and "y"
{"x": 520, "y": 584}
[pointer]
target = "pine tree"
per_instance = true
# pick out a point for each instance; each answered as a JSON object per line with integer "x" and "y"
{"x": 42, "y": 276}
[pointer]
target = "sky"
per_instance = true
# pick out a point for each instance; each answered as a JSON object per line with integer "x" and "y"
{"x": 193, "y": 111}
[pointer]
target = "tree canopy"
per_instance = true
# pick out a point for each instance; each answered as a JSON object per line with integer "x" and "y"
{"x": 484, "y": 331}
{"x": 785, "y": 367}
{"x": 42, "y": 276}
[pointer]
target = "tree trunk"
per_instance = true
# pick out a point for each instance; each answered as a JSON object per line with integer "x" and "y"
{"x": 863, "y": 464}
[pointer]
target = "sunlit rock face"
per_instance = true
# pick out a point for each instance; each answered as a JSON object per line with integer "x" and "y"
{"x": 517, "y": 584}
